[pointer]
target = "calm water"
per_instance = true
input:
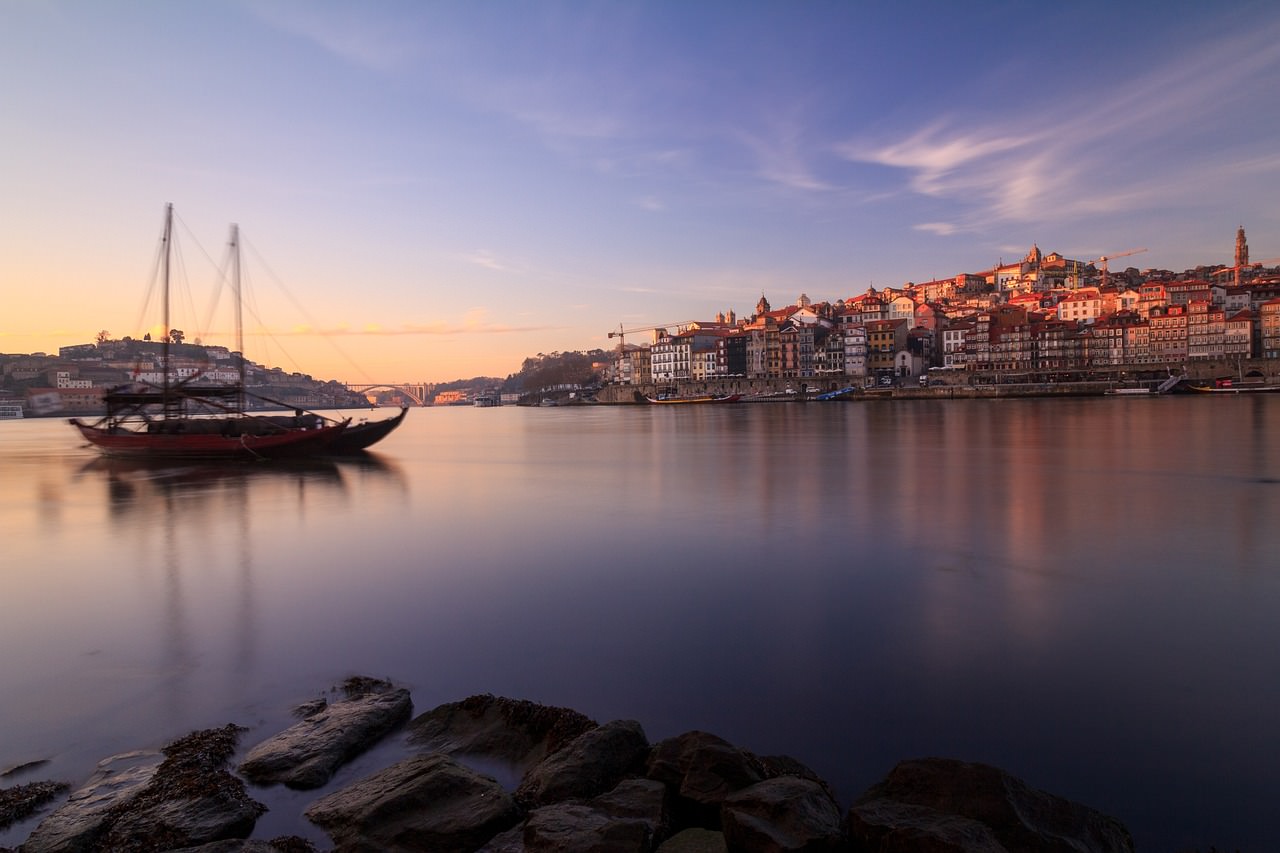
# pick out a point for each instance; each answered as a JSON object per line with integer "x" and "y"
{"x": 1083, "y": 592}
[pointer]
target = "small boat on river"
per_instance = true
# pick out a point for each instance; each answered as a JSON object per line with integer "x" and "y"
{"x": 675, "y": 400}
{"x": 1227, "y": 386}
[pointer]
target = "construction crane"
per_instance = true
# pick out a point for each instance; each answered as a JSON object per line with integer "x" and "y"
{"x": 1103, "y": 260}
{"x": 621, "y": 333}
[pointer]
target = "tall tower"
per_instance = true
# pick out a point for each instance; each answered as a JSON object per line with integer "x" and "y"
{"x": 1242, "y": 249}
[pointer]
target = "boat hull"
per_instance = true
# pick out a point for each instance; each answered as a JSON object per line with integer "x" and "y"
{"x": 682, "y": 401}
{"x": 129, "y": 444}
{"x": 1234, "y": 389}
{"x": 358, "y": 437}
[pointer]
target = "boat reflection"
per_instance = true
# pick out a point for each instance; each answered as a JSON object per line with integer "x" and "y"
{"x": 131, "y": 483}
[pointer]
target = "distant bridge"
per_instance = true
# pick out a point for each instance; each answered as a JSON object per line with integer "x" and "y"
{"x": 416, "y": 391}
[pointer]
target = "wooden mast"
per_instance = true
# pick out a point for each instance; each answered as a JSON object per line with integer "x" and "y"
{"x": 170, "y": 402}
{"x": 235, "y": 260}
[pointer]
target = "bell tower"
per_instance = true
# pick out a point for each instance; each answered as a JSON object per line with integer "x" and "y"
{"x": 1242, "y": 249}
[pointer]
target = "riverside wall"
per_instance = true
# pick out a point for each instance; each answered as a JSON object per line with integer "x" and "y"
{"x": 958, "y": 384}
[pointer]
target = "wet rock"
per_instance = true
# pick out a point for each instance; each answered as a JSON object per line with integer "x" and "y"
{"x": 511, "y": 731}
{"x": 21, "y": 801}
{"x": 24, "y": 767}
{"x": 950, "y": 802}
{"x": 786, "y": 813}
{"x": 306, "y": 754}
{"x": 427, "y": 802}
{"x": 187, "y": 800}
{"x": 81, "y": 821}
{"x": 592, "y": 763}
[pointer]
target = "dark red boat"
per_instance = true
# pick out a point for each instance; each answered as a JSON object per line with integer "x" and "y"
{"x": 186, "y": 420}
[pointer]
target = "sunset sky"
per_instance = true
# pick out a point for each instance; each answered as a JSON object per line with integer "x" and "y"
{"x": 436, "y": 190}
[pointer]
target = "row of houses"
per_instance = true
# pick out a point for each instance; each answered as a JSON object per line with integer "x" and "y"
{"x": 899, "y": 332}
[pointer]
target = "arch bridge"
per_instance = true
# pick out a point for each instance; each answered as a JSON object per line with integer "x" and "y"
{"x": 415, "y": 391}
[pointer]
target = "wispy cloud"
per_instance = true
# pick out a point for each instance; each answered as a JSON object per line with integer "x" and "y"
{"x": 380, "y": 43}
{"x": 1106, "y": 153}
{"x": 470, "y": 325}
{"x": 488, "y": 260}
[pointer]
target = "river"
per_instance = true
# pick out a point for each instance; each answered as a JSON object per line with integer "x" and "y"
{"x": 1081, "y": 591}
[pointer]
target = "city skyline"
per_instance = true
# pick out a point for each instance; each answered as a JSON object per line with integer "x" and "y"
{"x": 445, "y": 189}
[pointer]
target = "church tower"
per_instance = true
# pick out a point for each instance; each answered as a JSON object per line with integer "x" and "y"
{"x": 1242, "y": 249}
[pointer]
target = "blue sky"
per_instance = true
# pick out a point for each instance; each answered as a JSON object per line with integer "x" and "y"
{"x": 434, "y": 190}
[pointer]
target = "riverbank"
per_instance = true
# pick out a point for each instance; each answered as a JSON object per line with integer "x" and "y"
{"x": 569, "y": 783}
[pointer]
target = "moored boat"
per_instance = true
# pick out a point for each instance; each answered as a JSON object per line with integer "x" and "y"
{"x": 672, "y": 400}
{"x": 838, "y": 394}
{"x": 186, "y": 420}
{"x": 360, "y": 436}
{"x": 1227, "y": 386}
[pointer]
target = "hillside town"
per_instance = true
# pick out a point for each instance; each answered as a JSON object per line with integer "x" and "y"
{"x": 1043, "y": 316}
{"x": 73, "y": 381}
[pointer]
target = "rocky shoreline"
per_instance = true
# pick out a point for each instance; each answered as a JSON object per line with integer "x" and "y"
{"x": 582, "y": 786}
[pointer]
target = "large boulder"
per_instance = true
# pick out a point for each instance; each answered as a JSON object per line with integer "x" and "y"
{"x": 950, "y": 802}
{"x": 783, "y": 814}
{"x": 702, "y": 770}
{"x": 306, "y": 754}
{"x": 591, "y": 764}
{"x": 187, "y": 800}
{"x": 427, "y": 802}
{"x": 513, "y": 732}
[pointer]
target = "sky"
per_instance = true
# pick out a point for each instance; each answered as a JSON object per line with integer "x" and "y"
{"x": 434, "y": 190}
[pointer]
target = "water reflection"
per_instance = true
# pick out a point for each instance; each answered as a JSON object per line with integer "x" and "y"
{"x": 1081, "y": 591}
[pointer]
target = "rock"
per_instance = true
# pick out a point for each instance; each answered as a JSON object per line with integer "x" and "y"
{"x": 782, "y": 814}
{"x": 511, "y": 841}
{"x": 592, "y": 763}
{"x": 581, "y": 828}
{"x": 885, "y": 825}
{"x": 84, "y": 817}
{"x": 427, "y": 802}
{"x": 630, "y": 817}
{"x": 514, "y": 732}
{"x": 306, "y": 754}
{"x": 288, "y": 844}
{"x": 941, "y": 800}
{"x": 21, "y": 801}
{"x": 702, "y": 769}
{"x": 187, "y": 800}
{"x": 643, "y": 799}
{"x": 694, "y": 841}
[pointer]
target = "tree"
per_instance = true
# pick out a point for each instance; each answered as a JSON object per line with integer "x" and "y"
{"x": 102, "y": 337}
{"x": 176, "y": 335}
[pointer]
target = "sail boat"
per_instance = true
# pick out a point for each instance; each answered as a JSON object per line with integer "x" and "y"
{"x": 181, "y": 419}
